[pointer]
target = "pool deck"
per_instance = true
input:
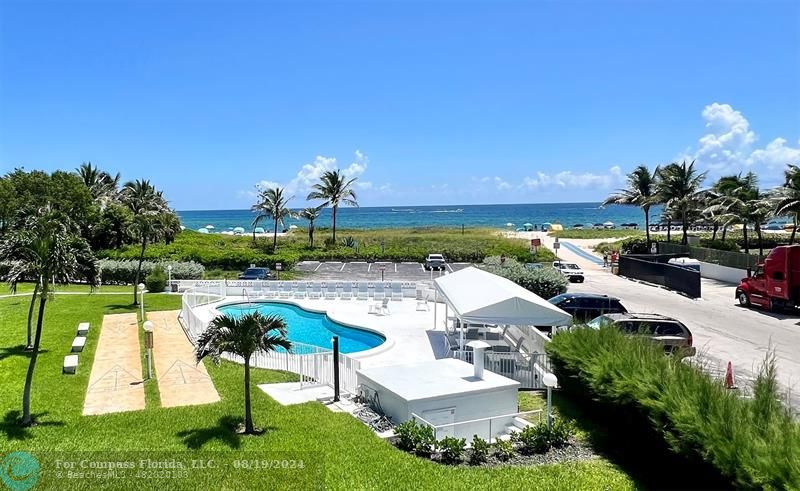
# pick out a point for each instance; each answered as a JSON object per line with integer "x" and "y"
{"x": 410, "y": 334}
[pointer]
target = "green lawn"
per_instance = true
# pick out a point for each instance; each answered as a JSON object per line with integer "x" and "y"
{"x": 28, "y": 287}
{"x": 351, "y": 456}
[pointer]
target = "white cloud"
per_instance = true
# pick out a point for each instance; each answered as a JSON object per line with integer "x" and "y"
{"x": 571, "y": 180}
{"x": 730, "y": 145}
{"x": 499, "y": 183}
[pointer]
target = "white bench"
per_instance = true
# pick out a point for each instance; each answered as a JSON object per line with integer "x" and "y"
{"x": 70, "y": 364}
{"x": 83, "y": 329}
{"x": 78, "y": 343}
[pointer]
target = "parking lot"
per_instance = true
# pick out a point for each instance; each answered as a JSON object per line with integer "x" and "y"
{"x": 364, "y": 271}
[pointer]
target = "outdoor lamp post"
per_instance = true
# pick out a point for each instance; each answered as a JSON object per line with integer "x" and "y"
{"x": 383, "y": 268}
{"x": 148, "y": 345}
{"x": 550, "y": 381}
{"x": 335, "y": 342}
{"x": 141, "y": 298}
{"x": 169, "y": 275}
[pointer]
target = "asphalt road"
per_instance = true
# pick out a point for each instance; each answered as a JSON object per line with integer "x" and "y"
{"x": 722, "y": 330}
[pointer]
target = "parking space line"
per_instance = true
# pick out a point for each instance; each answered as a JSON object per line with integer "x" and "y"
{"x": 422, "y": 267}
{"x": 395, "y": 267}
{"x": 318, "y": 266}
{"x": 342, "y": 268}
{"x": 450, "y": 267}
{"x": 369, "y": 267}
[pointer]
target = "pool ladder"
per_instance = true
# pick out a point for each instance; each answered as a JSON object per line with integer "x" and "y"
{"x": 247, "y": 296}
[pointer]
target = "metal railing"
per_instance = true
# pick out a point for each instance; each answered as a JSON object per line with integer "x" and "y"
{"x": 731, "y": 259}
{"x": 527, "y": 369}
{"x": 487, "y": 428}
{"x": 677, "y": 278}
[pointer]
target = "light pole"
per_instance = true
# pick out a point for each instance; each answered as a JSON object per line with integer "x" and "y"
{"x": 141, "y": 298}
{"x": 148, "y": 345}
{"x": 169, "y": 275}
{"x": 550, "y": 380}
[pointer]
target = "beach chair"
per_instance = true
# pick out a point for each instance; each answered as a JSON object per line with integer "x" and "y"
{"x": 378, "y": 293}
{"x": 300, "y": 290}
{"x": 271, "y": 291}
{"x": 363, "y": 291}
{"x": 347, "y": 290}
{"x": 380, "y": 308}
{"x": 285, "y": 291}
{"x": 422, "y": 302}
{"x": 397, "y": 291}
{"x": 330, "y": 291}
{"x": 314, "y": 291}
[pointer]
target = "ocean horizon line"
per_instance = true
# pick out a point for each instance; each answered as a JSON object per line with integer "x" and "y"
{"x": 419, "y": 206}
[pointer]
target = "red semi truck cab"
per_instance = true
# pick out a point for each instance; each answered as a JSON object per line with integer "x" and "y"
{"x": 775, "y": 283}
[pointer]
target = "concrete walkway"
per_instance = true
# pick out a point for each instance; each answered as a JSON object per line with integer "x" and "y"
{"x": 181, "y": 381}
{"x": 115, "y": 384}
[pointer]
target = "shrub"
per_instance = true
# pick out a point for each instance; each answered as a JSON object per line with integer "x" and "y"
{"x": 503, "y": 450}
{"x": 406, "y": 435}
{"x": 546, "y": 282}
{"x": 425, "y": 441}
{"x": 452, "y": 449}
{"x": 562, "y": 432}
{"x": 122, "y": 272}
{"x": 480, "y": 451}
{"x": 753, "y": 443}
{"x": 156, "y": 281}
{"x": 535, "y": 439}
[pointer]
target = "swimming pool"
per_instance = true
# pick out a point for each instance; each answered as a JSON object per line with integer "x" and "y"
{"x": 311, "y": 327}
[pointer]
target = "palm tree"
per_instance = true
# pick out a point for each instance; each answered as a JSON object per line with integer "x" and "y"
{"x": 146, "y": 204}
{"x": 787, "y": 197}
{"x": 641, "y": 192}
{"x": 738, "y": 201}
{"x": 101, "y": 184}
{"x": 335, "y": 190}
{"x": 243, "y": 336}
{"x": 48, "y": 248}
{"x": 678, "y": 185}
{"x": 272, "y": 204}
{"x": 310, "y": 214}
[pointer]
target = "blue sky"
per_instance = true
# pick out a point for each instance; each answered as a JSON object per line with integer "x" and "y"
{"x": 426, "y": 103}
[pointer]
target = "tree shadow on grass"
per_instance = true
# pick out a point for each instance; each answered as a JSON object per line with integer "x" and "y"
{"x": 224, "y": 430}
{"x": 19, "y": 350}
{"x": 120, "y": 307}
{"x": 11, "y": 425}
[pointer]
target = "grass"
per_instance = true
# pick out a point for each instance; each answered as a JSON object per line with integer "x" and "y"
{"x": 351, "y": 456}
{"x": 228, "y": 253}
{"x": 595, "y": 234}
{"x": 76, "y": 288}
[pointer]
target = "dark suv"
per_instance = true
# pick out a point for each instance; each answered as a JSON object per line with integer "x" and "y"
{"x": 671, "y": 333}
{"x": 255, "y": 274}
{"x": 586, "y": 306}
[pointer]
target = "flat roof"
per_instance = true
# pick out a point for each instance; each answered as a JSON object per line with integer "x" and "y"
{"x": 435, "y": 379}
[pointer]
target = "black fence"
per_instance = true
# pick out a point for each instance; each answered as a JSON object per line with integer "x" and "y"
{"x": 731, "y": 259}
{"x": 653, "y": 268}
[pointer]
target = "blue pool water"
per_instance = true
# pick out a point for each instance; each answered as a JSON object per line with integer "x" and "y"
{"x": 311, "y": 328}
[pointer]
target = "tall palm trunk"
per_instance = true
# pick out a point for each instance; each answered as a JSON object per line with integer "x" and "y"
{"x": 744, "y": 235}
{"x": 724, "y": 232}
{"x": 758, "y": 234}
{"x": 311, "y": 233}
{"x": 275, "y": 236}
{"x": 334, "y": 223}
{"x": 139, "y": 271}
{"x": 254, "y": 236}
{"x": 714, "y": 235}
{"x": 27, "y": 419}
{"x": 248, "y": 415}
{"x": 794, "y": 230}
{"x": 647, "y": 226}
{"x": 29, "y": 343}
{"x": 685, "y": 225}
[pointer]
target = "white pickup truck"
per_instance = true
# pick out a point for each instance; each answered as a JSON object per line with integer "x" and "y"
{"x": 571, "y": 270}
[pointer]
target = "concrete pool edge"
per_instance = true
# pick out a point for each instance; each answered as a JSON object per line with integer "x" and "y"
{"x": 387, "y": 344}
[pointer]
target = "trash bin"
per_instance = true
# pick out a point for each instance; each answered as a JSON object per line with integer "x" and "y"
{"x": 615, "y": 268}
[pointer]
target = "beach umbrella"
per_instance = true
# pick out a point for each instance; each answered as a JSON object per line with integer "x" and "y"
{"x": 259, "y": 230}
{"x": 238, "y": 230}
{"x": 608, "y": 224}
{"x": 292, "y": 227}
{"x": 210, "y": 227}
{"x": 183, "y": 228}
{"x": 509, "y": 224}
{"x": 202, "y": 230}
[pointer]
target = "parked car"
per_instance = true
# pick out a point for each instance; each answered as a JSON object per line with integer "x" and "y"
{"x": 255, "y": 274}
{"x": 775, "y": 283}
{"x": 570, "y": 270}
{"x": 671, "y": 333}
{"x": 435, "y": 261}
{"x": 586, "y": 306}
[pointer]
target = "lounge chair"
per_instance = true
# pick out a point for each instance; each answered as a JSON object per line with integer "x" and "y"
{"x": 380, "y": 308}
{"x": 397, "y": 291}
{"x": 422, "y": 302}
{"x": 363, "y": 291}
{"x": 347, "y": 290}
{"x": 314, "y": 291}
{"x": 271, "y": 290}
{"x": 378, "y": 292}
{"x": 285, "y": 290}
{"x": 300, "y": 290}
{"x": 330, "y": 291}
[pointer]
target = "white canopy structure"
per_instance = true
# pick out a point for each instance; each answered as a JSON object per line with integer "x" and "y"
{"x": 480, "y": 297}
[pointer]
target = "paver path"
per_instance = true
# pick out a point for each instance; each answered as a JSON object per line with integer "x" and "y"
{"x": 115, "y": 384}
{"x": 181, "y": 381}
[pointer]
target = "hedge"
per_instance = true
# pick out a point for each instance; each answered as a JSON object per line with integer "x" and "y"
{"x": 648, "y": 397}
{"x": 124, "y": 272}
{"x": 546, "y": 282}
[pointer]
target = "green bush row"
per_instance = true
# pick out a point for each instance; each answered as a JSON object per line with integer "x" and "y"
{"x": 753, "y": 443}
{"x": 546, "y": 282}
{"x": 124, "y": 271}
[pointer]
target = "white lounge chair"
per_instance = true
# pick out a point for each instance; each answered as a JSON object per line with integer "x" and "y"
{"x": 397, "y": 291}
{"x": 300, "y": 290}
{"x": 363, "y": 291}
{"x": 347, "y": 290}
{"x": 314, "y": 291}
{"x": 285, "y": 290}
{"x": 271, "y": 290}
{"x": 380, "y": 308}
{"x": 378, "y": 292}
{"x": 330, "y": 291}
{"x": 422, "y": 302}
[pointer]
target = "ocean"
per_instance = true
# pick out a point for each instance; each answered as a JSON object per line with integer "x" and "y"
{"x": 492, "y": 216}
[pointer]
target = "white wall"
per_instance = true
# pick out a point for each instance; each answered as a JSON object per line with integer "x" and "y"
{"x": 721, "y": 273}
{"x": 474, "y": 406}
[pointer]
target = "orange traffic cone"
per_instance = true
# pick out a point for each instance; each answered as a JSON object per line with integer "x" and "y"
{"x": 730, "y": 383}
